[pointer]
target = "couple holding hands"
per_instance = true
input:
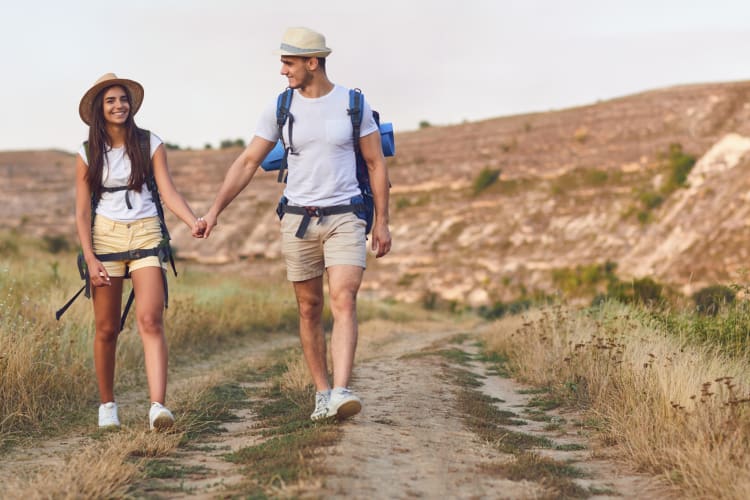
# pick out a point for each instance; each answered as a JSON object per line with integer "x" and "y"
{"x": 122, "y": 178}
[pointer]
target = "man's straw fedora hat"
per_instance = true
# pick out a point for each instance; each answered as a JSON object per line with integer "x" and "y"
{"x": 303, "y": 42}
{"x": 135, "y": 89}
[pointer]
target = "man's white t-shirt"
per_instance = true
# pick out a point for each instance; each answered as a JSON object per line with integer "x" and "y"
{"x": 116, "y": 173}
{"x": 323, "y": 172}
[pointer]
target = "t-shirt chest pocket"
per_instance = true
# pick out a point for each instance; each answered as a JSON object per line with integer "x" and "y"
{"x": 338, "y": 132}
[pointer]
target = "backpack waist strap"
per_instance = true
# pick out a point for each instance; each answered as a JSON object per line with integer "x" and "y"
{"x": 158, "y": 251}
{"x": 308, "y": 212}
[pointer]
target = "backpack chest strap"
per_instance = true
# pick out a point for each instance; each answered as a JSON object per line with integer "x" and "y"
{"x": 120, "y": 188}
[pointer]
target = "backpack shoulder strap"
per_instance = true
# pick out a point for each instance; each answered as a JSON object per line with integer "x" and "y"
{"x": 144, "y": 139}
{"x": 356, "y": 104}
{"x": 283, "y": 103}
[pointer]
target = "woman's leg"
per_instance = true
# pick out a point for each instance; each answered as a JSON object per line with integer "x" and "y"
{"x": 149, "y": 307}
{"x": 107, "y": 303}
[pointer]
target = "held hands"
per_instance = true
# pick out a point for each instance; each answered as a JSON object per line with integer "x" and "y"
{"x": 204, "y": 225}
{"x": 199, "y": 228}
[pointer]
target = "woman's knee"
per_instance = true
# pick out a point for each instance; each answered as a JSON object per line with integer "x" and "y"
{"x": 107, "y": 331}
{"x": 150, "y": 323}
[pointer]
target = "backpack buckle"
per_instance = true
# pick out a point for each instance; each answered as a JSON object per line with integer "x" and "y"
{"x": 313, "y": 212}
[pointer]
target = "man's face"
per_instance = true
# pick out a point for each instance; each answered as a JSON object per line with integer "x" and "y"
{"x": 297, "y": 71}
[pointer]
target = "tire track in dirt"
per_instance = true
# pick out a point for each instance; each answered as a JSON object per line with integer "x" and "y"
{"x": 411, "y": 440}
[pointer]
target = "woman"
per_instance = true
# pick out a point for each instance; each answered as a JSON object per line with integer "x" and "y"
{"x": 112, "y": 171}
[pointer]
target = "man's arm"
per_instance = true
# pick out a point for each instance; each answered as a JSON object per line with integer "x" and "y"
{"x": 238, "y": 176}
{"x": 372, "y": 152}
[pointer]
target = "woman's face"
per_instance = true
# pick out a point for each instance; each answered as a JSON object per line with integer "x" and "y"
{"x": 115, "y": 106}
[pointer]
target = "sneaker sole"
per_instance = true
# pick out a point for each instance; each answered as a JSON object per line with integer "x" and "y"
{"x": 348, "y": 409}
{"x": 163, "y": 422}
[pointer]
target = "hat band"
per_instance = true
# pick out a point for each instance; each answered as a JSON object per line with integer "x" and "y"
{"x": 298, "y": 50}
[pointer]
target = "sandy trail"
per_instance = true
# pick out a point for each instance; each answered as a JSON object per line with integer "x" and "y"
{"x": 409, "y": 441}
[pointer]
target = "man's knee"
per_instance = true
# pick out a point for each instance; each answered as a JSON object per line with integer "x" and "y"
{"x": 344, "y": 299}
{"x": 310, "y": 308}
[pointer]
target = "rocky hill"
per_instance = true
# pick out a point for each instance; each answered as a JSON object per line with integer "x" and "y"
{"x": 577, "y": 187}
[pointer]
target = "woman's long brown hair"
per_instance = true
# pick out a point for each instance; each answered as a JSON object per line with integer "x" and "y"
{"x": 99, "y": 143}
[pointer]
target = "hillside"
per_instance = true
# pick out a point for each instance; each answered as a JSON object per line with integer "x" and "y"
{"x": 570, "y": 193}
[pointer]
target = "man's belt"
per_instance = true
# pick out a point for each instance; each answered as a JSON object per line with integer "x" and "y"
{"x": 308, "y": 212}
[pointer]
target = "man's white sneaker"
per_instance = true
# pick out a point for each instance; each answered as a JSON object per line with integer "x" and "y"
{"x": 159, "y": 417}
{"x": 343, "y": 403}
{"x": 321, "y": 405}
{"x": 108, "y": 415}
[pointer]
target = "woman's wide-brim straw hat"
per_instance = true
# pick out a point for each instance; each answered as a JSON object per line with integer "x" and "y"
{"x": 303, "y": 42}
{"x": 135, "y": 89}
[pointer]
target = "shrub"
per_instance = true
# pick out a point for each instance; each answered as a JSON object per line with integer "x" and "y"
{"x": 680, "y": 164}
{"x": 485, "y": 179}
{"x": 56, "y": 244}
{"x": 711, "y": 299}
{"x": 639, "y": 291}
{"x": 229, "y": 143}
{"x": 424, "y": 124}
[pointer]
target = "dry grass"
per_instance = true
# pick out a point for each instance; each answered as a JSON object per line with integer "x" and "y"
{"x": 108, "y": 464}
{"x": 673, "y": 409}
{"x": 46, "y": 366}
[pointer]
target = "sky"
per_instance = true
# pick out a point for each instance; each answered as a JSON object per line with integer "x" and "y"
{"x": 209, "y": 68}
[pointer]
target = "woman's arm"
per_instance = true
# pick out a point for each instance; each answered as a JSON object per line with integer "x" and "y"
{"x": 169, "y": 194}
{"x": 97, "y": 272}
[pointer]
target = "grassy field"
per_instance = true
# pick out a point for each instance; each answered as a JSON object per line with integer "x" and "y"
{"x": 47, "y": 381}
{"x": 671, "y": 402}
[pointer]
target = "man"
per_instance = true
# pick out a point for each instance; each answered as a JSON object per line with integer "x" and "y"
{"x": 321, "y": 179}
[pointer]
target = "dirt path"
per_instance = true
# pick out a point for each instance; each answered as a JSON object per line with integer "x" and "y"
{"x": 411, "y": 440}
{"x": 43, "y": 454}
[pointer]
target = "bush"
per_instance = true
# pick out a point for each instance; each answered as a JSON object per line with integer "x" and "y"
{"x": 680, "y": 164}
{"x": 229, "y": 143}
{"x": 485, "y": 179}
{"x": 639, "y": 291}
{"x": 424, "y": 124}
{"x": 56, "y": 244}
{"x": 711, "y": 299}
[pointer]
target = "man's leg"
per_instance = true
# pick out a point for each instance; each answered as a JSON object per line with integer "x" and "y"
{"x": 343, "y": 284}
{"x": 309, "y": 295}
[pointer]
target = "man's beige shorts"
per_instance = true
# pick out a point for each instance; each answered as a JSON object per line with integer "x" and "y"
{"x": 113, "y": 237}
{"x": 338, "y": 240}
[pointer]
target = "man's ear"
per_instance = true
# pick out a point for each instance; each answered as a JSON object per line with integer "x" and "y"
{"x": 312, "y": 63}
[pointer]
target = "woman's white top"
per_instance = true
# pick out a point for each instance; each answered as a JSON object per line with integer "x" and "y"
{"x": 116, "y": 173}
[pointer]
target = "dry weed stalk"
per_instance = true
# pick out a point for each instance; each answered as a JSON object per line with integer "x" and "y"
{"x": 675, "y": 410}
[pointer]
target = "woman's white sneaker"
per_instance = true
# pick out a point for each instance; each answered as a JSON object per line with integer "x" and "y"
{"x": 108, "y": 415}
{"x": 321, "y": 405}
{"x": 159, "y": 417}
{"x": 343, "y": 403}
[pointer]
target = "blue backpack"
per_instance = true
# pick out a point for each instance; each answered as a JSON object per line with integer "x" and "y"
{"x": 363, "y": 205}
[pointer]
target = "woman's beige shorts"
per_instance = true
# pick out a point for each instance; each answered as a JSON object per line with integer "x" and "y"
{"x": 338, "y": 240}
{"x": 113, "y": 237}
